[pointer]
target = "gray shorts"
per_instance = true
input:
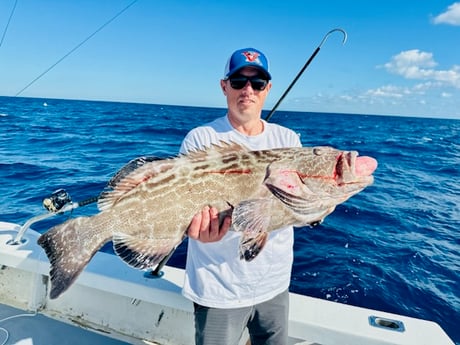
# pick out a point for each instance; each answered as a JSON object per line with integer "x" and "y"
{"x": 267, "y": 323}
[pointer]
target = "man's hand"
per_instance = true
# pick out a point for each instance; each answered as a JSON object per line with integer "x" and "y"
{"x": 205, "y": 226}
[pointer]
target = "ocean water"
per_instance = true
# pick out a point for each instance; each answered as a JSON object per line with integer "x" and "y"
{"x": 394, "y": 247}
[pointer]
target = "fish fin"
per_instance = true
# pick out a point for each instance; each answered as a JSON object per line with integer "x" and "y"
{"x": 219, "y": 149}
{"x": 252, "y": 217}
{"x": 140, "y": 253}
{"x": 69, "y": 251}
{"x": 129, "y": 177}
{"x": 250, "y": 247}
{"x": 129, "y": 168}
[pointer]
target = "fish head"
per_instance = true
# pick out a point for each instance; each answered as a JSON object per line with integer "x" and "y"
{"x": 306, "y": 185}
{"x": 311, "y": 182}
{"x": 337, "y": 173}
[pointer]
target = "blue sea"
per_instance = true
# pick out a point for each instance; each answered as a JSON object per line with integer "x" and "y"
{"x": 394, "y": 247}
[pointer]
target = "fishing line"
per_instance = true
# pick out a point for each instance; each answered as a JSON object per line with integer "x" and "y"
{"x": 8, "y": 23}
{"x": 267, "y": 118}
{"x": 76, "y": 47}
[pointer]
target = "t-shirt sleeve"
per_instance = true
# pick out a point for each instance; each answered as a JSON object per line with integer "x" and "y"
{"x": 296, "y": 139}
{"x": 196, "y": 139}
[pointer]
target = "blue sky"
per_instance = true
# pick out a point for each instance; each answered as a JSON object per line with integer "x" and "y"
{"x": 401, "y": 57}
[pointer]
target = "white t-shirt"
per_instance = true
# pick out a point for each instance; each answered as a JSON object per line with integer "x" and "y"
{"x": 215, "y": 276}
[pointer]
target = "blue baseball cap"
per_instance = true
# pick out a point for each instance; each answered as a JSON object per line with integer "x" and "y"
{"x": 247, "y": 57}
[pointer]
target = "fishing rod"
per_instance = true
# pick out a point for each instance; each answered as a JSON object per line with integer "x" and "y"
{"x": 270, "y": 114}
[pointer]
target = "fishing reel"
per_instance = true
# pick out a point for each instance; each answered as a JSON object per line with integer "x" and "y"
{"x": 57, "y": 200}
{"x": 54, "y": 203}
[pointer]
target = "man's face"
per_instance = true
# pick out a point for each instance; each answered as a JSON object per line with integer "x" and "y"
{"x": 247, "y": 101}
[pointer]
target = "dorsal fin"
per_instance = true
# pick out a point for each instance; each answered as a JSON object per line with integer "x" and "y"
{"x": 129, "y": 168}
{"x": 129, "y": 177}
{"x": 143, "y": 168}
{"x": 219, "y": 149}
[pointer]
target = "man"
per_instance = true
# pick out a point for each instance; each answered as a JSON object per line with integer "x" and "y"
{"x": 228, "y": 293}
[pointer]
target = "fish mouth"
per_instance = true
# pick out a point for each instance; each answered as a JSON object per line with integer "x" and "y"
{"x": 351, "y": 168}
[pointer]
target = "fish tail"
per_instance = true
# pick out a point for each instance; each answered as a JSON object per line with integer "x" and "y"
{"x": 69, "y": 247}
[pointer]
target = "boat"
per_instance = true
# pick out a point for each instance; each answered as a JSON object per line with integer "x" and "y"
{"x": 112, "y": 304}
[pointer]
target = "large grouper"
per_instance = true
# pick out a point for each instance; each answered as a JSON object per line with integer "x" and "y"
{"x": 148, "y": 205}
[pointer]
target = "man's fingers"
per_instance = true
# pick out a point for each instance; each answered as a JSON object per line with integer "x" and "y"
{"x": 205, "y": 225}
{"x": 205, "y": 219}
{"x": 213, "y": 223}
{"x": 205, "y": 222}
{"x": 194, "y": 227}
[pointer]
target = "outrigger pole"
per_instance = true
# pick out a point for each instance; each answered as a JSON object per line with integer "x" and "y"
{"x": 268, "y": 117}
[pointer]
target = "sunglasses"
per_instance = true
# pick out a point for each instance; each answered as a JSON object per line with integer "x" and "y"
{"x": 240, "y": 81}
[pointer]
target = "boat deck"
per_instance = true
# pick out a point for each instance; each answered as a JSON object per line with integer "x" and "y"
{"x": 22, "y": 328}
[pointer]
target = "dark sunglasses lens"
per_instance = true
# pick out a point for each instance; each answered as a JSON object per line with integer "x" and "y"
{"x": 238, "y": 83}
{"x": 256, "y": 83}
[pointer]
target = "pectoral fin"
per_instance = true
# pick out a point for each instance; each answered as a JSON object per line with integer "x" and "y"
{"x": 252, "y": 217}
{"x": 250, "y": 246}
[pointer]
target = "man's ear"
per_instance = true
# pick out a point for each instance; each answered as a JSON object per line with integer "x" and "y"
{"x": 223, "y": 86}
{"x": 269, "y": 86}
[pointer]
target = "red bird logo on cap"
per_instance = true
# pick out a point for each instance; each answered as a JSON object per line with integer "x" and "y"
{"x": 251, "y": 56}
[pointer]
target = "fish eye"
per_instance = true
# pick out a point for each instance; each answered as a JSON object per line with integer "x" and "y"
{"x": 321, "y": 150}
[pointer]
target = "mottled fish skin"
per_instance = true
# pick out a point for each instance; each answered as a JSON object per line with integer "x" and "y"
{"x": 148, "y": 205}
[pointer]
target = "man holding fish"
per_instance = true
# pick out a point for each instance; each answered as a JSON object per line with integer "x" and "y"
{"x": 228, "y": 293}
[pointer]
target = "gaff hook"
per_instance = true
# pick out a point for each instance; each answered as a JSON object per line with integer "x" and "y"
{"x": 267, "y": 118}
{"x": 330, "y": 32}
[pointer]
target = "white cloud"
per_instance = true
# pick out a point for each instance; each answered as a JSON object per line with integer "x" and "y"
{"x": 389, "y": 91}
{"x": 450, "y": 16}
{"x": 416, "y": 64}
{"x": 346, "y": 97}
{"x": 419, "y": 100}
{"x": 446, "y": 95}
{"x": 423, "y": 87}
